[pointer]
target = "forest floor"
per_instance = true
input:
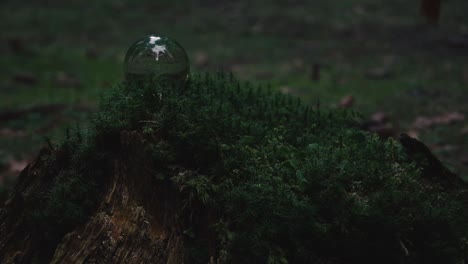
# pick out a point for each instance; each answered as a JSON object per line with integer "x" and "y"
{"x": 378, "y": 57}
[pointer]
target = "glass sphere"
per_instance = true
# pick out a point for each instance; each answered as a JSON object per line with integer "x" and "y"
{"x": 157, "y": 57}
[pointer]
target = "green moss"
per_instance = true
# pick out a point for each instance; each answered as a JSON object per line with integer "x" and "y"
{"x": 288, "y": 183}
{"x": 72, "y": 184}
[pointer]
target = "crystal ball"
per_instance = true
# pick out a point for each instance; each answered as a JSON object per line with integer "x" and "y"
{"x": 157, "y": 58}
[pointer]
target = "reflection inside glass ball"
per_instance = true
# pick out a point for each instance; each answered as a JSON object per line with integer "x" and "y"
{"x": 157, "y": 57}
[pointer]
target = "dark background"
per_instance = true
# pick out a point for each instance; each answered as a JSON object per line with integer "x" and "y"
{"x": 379, "y": 57}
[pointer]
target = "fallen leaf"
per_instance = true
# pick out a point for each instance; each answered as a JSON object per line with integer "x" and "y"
{"x": 18, "y": 165}
{"x": 379, "y": 117}
{"x": 201, "y": 58}
{"x": 413, "y": 134}
{"x": 347, "y": 101}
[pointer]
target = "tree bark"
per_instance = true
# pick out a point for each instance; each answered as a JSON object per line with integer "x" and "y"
{"x": 135, "y": 221}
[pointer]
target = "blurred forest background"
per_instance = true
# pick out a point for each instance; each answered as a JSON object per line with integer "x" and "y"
{"x": 381, "y": 58}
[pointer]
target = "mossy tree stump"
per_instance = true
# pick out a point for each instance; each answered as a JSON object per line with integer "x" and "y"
{"x": 224, "y": 172}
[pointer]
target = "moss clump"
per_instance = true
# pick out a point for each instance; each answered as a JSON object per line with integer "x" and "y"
{"x": 74, "y": 174}
{"x": 286, "y": 183}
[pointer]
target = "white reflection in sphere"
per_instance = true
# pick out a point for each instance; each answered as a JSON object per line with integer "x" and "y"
{"x": 157, "y": 57}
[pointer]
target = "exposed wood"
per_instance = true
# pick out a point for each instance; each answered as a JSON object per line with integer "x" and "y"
{"x": 136, "y": 222}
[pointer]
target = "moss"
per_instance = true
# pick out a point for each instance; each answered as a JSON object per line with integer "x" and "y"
{"x": 288, "y": 183}
{"x": 74, "y": 175}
